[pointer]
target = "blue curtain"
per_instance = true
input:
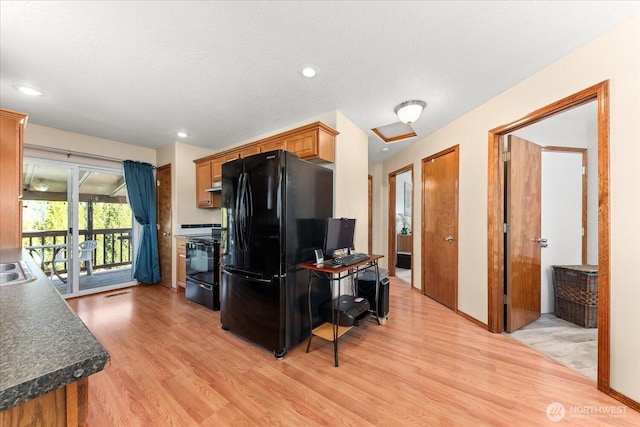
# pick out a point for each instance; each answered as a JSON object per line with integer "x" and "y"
{"x": 141, "y": 188}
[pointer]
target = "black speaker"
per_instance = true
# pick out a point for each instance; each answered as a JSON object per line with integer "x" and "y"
{"x": 367, "y": 289}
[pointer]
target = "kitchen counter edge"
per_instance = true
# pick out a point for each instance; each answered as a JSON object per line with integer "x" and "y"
{"x": 44, "y": 345}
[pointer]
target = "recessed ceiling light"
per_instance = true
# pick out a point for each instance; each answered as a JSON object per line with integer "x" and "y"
{"x": 182, "y": 134}
{"x": 29, "y": 91}
{"x": 309, "y": 71}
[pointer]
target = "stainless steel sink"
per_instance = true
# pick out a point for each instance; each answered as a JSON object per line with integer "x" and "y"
{"x": 15, "y": 272}
{"x": 7, "y": 267}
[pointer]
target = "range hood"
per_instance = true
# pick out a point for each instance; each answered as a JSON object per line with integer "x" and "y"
{"x": 215, "y": 187}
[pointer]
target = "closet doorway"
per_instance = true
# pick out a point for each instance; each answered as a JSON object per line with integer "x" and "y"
{"x": 568, "y": 225}
{"x": 400, "y": 224}
{"x": 496, "y": 203}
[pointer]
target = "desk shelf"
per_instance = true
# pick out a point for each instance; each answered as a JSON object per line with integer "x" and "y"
{"x": 335, "y": 273}
{"x": 325, "y": 331}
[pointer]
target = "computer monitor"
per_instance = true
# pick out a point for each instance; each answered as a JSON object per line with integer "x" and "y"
{"x": 339, "y": 235}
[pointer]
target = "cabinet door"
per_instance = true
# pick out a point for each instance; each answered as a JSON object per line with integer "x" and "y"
{"x": 278, "y": 144}
{"x": 304, "y": 145}
{"x": 11, "y": 129}
{"x": 181, "y": 274}
{"x": 203, "y": 181}
{"x": 216, "y": 174}
{"x": 246, "y": 152}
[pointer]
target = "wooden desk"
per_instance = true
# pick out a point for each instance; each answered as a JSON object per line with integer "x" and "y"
{"x": 331, "y": 272}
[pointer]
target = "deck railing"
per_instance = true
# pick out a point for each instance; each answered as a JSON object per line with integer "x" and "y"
{"x": 114, "y": 246}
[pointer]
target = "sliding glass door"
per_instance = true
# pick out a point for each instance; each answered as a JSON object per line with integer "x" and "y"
{"x": 77, "y": 225}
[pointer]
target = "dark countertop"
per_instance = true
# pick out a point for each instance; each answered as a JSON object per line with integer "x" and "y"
{"x": 43, "y": 344}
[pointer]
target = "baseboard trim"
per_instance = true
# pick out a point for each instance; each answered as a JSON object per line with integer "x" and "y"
{"x": 473, "y": 320}
{"x": 624, "y": 399}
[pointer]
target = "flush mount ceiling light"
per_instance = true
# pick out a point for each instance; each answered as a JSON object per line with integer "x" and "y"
{"x": 409, "y": 111}
{"x": 309, "y": 71}
{"x": 40, "y": 186}
{"x": 182, "y": 134}
{"x": 29, "y": 91}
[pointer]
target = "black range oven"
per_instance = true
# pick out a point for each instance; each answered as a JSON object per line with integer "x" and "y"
{"x": 203, "y": 271}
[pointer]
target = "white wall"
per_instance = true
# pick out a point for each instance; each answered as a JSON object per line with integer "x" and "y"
{"x": 379, "y": 220}
{"x": 56, "y": 138}
{"x": 614, "y": 56}
{"x": 561, "y": 218}
{"x": 351, "y": 190}
{"x": 185, "y": 186}
{"x": 183, "y": 189}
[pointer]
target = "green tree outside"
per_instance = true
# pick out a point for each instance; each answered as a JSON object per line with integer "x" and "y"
{"x": 53, "y": 216}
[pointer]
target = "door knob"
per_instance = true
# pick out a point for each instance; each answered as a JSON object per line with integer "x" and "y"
{"x": 542, "y": 241}
{"x": 449, "y": 239}
{"x": 166, "y": 233}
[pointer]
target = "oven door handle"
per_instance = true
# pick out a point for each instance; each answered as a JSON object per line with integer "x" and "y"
{"x": 245, "y": 275}
{"x": 200, "y": 283}
{"x": 206, "y": 287}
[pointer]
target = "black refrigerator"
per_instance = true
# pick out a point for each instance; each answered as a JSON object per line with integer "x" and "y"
{"x": 274, "y": 207}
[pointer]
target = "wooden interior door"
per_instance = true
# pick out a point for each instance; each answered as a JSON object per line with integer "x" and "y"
{"x": 440, "y": 227}
{"x": 163, "y": 199}
{"x": 370, "y": 216}
{"x": 523, "y": 215}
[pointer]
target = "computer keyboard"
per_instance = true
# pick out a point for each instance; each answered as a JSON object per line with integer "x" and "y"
{"x": 350, "y": 259}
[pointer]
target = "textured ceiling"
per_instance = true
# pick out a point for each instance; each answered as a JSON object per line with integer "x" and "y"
{"x": 225, "y": 72}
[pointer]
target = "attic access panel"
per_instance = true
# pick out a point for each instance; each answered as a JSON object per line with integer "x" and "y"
{"x": 394, "y": 132}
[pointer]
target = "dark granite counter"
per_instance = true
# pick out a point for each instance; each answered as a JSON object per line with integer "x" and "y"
{"x": 43, "y": 344}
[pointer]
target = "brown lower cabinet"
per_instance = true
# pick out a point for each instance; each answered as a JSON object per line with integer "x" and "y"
{"x": 181, "y": 265}
{"x": 65, "y": 406}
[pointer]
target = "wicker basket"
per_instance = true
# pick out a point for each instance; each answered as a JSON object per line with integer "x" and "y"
{"x": 576, "y": 291}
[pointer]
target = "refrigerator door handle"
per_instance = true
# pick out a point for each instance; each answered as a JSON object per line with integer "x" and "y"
{"x": 236, "y": 212}
{"x": 244, "y": 210}
{"x": 243, "y": 213}
{"x": 248, "y": 204}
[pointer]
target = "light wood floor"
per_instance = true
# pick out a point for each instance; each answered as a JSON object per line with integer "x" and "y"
{"x": 172, "y": 364}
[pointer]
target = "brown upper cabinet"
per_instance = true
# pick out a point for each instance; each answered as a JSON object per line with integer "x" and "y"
{"x": 11, "y": 134}
{"x": 278, "y": 144}
{"x": 204, "y": 174}
{"x": 246, "y": 152}
{"x": 217, "y": 163}
{"x": 314, "y": 142}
